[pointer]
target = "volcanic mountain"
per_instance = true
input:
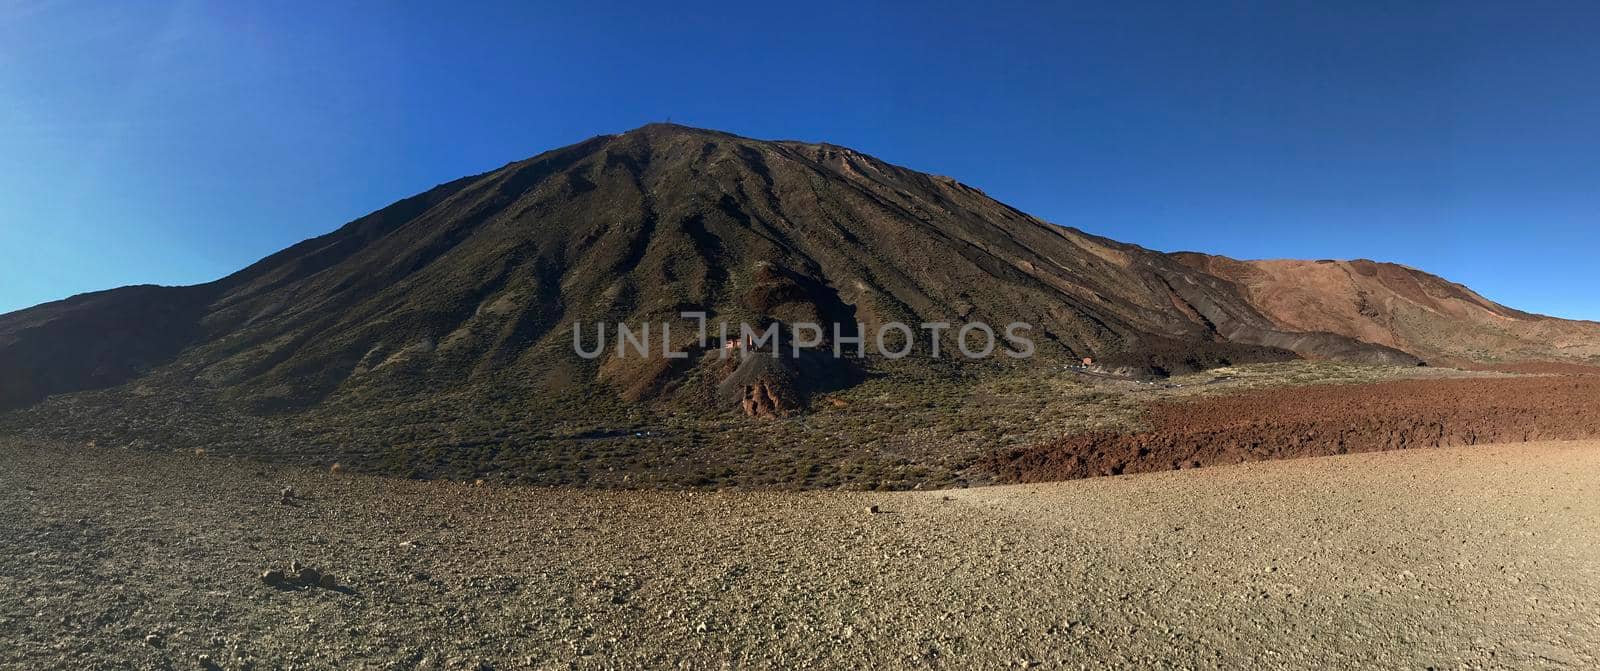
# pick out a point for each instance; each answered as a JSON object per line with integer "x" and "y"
{"x": 475, "y": 286}
{"x": 435, "y": 337}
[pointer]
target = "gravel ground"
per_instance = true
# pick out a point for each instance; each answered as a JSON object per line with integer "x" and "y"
{"x": 1445, "y": 558}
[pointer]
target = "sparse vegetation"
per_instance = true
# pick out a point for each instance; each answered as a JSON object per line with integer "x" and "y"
{"x": 903, "y": 427}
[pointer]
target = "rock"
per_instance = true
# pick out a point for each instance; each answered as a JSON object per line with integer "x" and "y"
{"x": 272, "y": 577}
{"x": 287, "y": 495}
{"x": 329, "y": 581}
{"x": 309, "y": 576}
{"x": 873, "y": 510}
{"x": 295, "y": 566}
{"x": 762, "y": 399}
{"x": 153, "y": 640}
{"x": 762, "y": 386}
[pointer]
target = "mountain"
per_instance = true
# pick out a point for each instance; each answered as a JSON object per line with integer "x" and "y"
{"x": 435, "y": 337}
{"x": 1437, "y": 320}
{"x": 473, "y": 287}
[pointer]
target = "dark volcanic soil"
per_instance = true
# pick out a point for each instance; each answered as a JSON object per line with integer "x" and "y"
{"x": 1317, "y": 421}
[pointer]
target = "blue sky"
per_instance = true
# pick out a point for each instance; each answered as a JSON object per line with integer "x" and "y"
{"x": 175, "y": 143}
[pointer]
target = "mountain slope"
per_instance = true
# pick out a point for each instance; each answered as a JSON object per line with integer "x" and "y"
{"x": 474, "y": 286}
{"x": 1404, "y": 308}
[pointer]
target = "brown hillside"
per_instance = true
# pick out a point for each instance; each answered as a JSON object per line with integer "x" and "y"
{"x": 1400, "y": 307}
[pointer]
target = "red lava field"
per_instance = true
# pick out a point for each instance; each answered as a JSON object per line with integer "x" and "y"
{"x": 1319, "y": 420}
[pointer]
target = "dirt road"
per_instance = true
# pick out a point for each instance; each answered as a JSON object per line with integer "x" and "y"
{"x": 1445, "y": 558}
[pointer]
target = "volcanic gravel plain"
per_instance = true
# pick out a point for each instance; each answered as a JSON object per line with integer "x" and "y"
{"x": 1471, "y": 557}
{"x": 1316, "y": 421}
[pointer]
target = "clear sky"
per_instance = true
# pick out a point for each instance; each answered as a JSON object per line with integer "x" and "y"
{"x": 175, "y": 143}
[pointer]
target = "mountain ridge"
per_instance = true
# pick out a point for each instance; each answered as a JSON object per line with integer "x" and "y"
{"x": 1444, "y": 322}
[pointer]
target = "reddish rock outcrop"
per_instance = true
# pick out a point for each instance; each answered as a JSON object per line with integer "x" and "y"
{"x": 762, "y": 400}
